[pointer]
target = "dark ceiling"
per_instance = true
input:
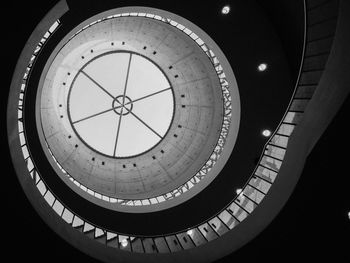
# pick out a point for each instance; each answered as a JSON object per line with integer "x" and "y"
{"x": 271, "y": 32}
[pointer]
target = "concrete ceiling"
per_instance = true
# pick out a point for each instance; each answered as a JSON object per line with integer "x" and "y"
{"x": 196, "y": 122}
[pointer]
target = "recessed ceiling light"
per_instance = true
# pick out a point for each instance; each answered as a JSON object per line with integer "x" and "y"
{"x": 225, "y": 10}
{"x": 266, "y": 133}
{"x": 262, "y": 67}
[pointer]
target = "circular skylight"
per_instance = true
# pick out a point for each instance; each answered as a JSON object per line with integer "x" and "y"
{"x": 120, "y": 104}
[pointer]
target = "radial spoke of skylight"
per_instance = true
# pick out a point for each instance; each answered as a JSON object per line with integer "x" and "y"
{"x": 94, "y": 115}
{"x": 121, "y": 111}
{"x": 127, "y": 78}
{"x": 97, "y": 84}
{"x": 147, "y": 96}
{"x": 156, "y": 133}
{"x": 118, "y": 129}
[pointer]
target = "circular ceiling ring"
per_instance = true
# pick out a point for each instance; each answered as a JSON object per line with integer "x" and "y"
{"x": 222, "y": 129}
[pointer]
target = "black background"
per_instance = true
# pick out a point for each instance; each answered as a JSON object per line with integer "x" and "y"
{"x": 313, "y": 225}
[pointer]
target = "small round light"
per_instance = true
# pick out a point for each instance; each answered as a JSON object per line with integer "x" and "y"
{"x": 189, "y": 232}
{"x": 266, "y": 133}
{"x": 262, "y": 67}
{"x": 124, "y": 243}
{"x": 239, "y": 191}
{"x": 225, "y": 10}
{"x": 349, "y": 215}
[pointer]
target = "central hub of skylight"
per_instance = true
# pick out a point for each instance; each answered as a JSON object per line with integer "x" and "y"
{"x": 120, "y": 104}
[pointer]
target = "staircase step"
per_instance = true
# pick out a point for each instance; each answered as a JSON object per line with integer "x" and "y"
{"x": 317, "y": 62}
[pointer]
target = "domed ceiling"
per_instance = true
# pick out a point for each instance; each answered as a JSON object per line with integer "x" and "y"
{"x": 134, "y": 105}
